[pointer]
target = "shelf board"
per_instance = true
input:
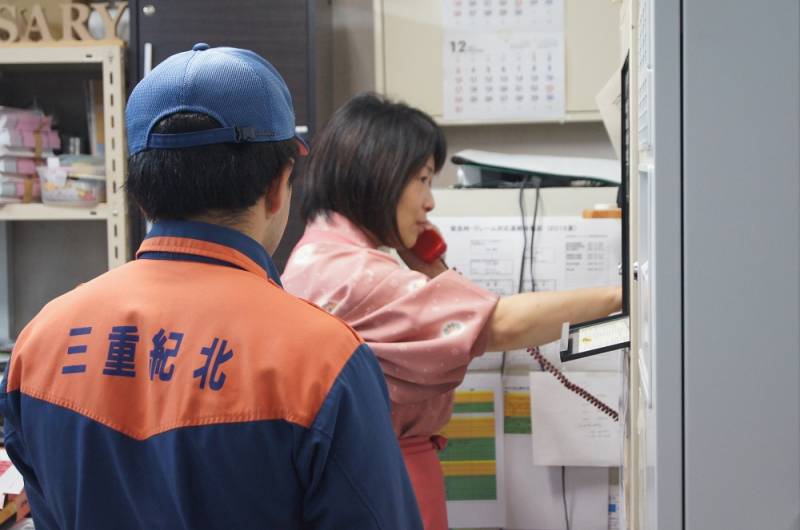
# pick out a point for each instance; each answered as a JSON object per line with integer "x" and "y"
{"x": 44, "y": 212}
{"x": 570, "y": 117}
{"x": 52, "y": 52}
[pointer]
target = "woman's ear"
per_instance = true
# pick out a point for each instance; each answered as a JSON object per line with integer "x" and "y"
{"x": 279, "y": 190}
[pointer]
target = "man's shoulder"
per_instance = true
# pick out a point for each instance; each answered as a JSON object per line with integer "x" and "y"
{"x": 84, "y": 292}
{"x": 282, "y": 356}
{"x": 297, "y": 314}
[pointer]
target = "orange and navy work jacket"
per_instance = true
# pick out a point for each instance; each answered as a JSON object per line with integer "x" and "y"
{"x": 187, "y": 390}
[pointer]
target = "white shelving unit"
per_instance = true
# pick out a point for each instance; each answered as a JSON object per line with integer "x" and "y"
{"x": 107, "y": 55}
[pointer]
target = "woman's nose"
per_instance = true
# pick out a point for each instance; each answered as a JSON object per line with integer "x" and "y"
{"x": 429, "y": 202}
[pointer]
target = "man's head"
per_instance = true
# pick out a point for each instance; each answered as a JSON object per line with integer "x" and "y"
{"x": 211, "y": 135}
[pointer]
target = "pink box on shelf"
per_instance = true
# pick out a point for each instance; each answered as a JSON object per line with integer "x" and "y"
{"x": 49, "y": 139}
{"x": 34, "y": 122}
{"x": 13, "y": 164}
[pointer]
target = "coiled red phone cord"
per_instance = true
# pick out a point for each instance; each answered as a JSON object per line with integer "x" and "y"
{"x": 547, "y": 366}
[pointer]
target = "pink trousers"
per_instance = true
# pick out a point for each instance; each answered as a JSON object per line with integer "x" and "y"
{"x": 419, "y": 453}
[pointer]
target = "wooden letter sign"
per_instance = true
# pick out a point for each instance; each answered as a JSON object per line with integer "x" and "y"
{"x": 30, "y": 24}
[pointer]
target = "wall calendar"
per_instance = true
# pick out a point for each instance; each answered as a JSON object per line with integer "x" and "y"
{"x": 503, "y": 60}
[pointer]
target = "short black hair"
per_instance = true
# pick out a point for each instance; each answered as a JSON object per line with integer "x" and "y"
{"x": 363, "y": 158}
{"x": 225, "y": 179}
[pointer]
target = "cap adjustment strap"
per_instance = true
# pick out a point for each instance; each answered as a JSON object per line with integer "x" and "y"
{"x": 221, "y": 135}
{"x": 245, "y": 134}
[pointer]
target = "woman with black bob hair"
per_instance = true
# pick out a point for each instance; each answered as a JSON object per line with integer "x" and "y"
{"x": 367, "y": 187}
{"x": 363, "y": 159}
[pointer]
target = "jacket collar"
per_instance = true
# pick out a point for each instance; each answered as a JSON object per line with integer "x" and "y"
{"x": 208, "y": 243}
{"x": 336, "y": 226}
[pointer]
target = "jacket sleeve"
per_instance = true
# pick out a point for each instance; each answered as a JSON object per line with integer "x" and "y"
{"x": 349, "y": 459}
{"x": 424, "y": 332}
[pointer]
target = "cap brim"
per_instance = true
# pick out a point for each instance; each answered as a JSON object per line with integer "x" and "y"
{"x": 302, "y": 146}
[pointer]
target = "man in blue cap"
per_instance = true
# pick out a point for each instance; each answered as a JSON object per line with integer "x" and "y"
{"x": 186, "y": 389}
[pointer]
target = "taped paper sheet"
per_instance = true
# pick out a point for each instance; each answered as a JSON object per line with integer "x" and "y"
{"x": 534, "y": 492}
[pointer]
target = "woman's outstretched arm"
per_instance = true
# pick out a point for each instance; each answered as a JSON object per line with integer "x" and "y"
{"x": 533, "y": 319}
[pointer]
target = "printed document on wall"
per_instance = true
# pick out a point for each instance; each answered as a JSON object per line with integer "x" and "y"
{"x": 503, "y": 60}
{"x": 568, "y": 430}
{"x": 569, "y": 252}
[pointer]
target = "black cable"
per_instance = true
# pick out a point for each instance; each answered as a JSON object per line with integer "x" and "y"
{"x": 538, "y": 183}
{"x": 522, "y": 185}
{"x": 520, "y": 287}
{"x": 564, "y": 494}
{"x": 533, "y": 288}
{"x": 547, "y": 366}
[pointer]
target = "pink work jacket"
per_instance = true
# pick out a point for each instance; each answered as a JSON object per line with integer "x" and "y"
{"x": 423, "y": 331}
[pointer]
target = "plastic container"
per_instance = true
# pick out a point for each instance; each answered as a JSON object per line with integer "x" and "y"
{"x": 61, "y": 187}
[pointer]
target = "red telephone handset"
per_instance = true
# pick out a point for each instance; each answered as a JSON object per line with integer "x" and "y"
{"x": 429, "y": 246}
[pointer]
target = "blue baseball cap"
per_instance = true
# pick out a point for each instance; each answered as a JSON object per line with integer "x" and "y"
{"x": 238, "y": 88}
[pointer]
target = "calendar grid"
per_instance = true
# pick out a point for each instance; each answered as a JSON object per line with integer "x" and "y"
{"x": 503, "y": 60}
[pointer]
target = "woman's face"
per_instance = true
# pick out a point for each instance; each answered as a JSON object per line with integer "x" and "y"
{"x": 414, "y": 205}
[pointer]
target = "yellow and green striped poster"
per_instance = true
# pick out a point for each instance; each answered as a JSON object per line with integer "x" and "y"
{"x": 470, "y": 459}
{"x": 517, "y": 411}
